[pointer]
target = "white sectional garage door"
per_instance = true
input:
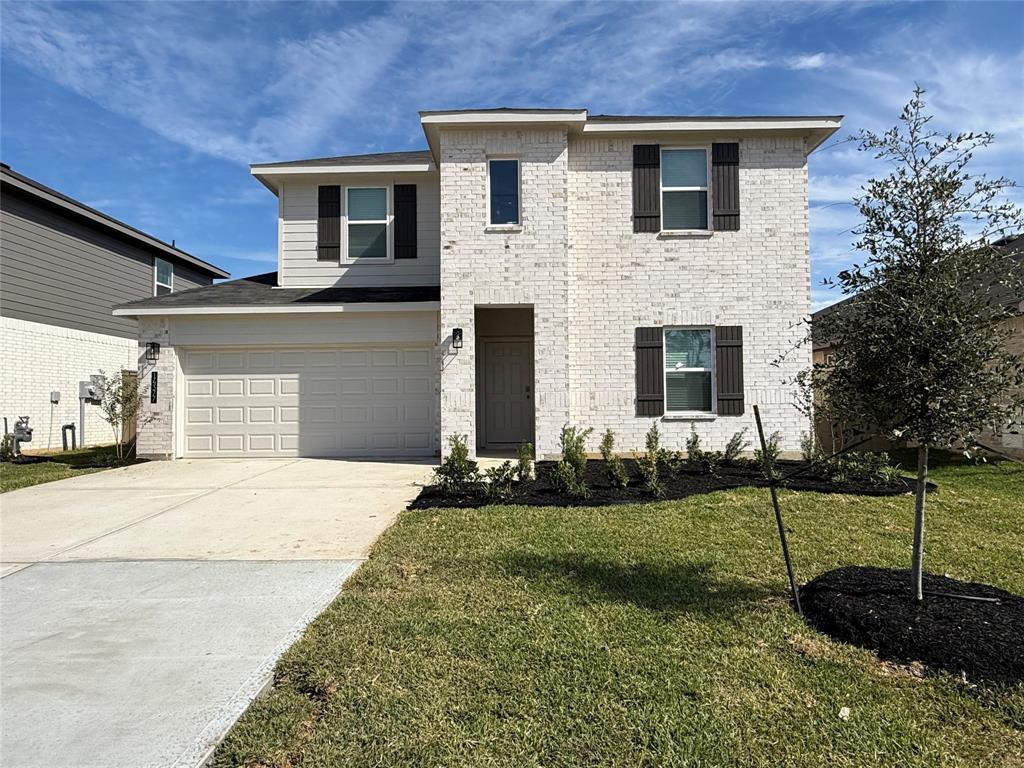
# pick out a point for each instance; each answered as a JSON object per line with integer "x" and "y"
{"x": 323, "y": 401}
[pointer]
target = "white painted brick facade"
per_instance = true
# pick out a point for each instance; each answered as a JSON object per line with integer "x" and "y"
{"x": 592, "y": 281}
{"x": 156, "y": 436}
{"x": 37, "y": 358}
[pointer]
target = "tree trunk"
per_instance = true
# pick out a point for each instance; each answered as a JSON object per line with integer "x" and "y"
{"x": 919, "y": 500}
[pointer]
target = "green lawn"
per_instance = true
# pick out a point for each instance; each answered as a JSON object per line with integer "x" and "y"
{"x": 64, "y": 464}
{"x": 637, "y": 636}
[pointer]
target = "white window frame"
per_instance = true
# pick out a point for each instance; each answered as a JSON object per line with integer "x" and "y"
{"x": 518, "y": 223}
{"x": 712, "y": 370}
{"x": 387, "y": 221}
{"x": 662, "y": 189}
{"x": 156, "y": 272}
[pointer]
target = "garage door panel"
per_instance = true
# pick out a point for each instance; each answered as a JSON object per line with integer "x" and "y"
{"x": 329, "y": 401}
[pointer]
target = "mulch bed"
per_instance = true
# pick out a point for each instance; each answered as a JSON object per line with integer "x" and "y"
{"x": 874, "y": 608}
{"x": 689, "y": 481}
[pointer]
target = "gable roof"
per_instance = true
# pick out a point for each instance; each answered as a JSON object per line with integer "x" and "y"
{"x": 259, "y": 293}
{"x": 52, "y": 197}
{"x": 377, "y": 158}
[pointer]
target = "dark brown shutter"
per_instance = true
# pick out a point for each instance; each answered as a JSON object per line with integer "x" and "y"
{"x": 405, "y": 221}
{"x": 729, "y": 369}
{"x": 646, "y": 188}
{"x": 725, "y": 187}
{"x": 650, "y": 378}
{"x": 328, "y": 225}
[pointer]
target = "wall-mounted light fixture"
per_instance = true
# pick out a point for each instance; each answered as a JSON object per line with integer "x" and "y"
{"x": 456, "y": 338}
{"x": 152, "y": 352}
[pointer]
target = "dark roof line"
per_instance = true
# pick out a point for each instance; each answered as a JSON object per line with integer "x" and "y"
{"x": 261, "y": 291}
{"x": 698, "y": 118}
{"x": 48, "y": 194}
{"x": 376, "y": 158}
{"x": 499, "y": 110}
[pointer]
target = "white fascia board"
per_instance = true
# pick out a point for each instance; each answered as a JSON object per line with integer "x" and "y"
{"x": 731, "y": 125}
{"x": 497, "y": 118}
{"x": 284, "y": 170}
{"x": 382, "y": 306}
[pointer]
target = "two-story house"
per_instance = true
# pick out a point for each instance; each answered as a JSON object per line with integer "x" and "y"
{"x": 530, "y": 268}
{"x": 63, "y": 267}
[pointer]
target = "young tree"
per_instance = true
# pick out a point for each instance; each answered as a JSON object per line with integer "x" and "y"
{"x": 921, "y": 356}
{"x": 120, "y": 404}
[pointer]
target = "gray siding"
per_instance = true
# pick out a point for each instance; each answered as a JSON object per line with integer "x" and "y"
{"x": 58, "y": 270}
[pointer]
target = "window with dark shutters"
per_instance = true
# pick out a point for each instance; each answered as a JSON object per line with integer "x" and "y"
{"x": 646, "y": 188}
{"x": 405, "y": 221}
{"x": 650, "y": 377}
{"x": 328, "y": 224}
{"x": 729, "y": 369}
{"x": 725, "y": 187}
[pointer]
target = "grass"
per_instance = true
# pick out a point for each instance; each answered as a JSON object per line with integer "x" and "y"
{"x": 61, "y": 465}
{"x": 653, "y": 635}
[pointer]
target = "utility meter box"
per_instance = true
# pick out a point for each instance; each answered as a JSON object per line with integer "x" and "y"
{"x": 89, "y": 392}
{"x": 55, "y": 396}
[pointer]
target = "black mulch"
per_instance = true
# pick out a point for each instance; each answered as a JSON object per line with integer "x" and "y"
{"x": 689, "y": 481}
{"x": 874, "y": 608}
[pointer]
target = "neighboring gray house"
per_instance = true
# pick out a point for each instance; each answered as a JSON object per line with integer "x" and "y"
{"x": 531, "y": 267}
{"x": 63, "y": 267}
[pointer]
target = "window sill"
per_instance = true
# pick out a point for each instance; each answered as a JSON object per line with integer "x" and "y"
{"x": 685, "y": 233}
{"x": 697, "y": 416}
{"x": 503, "y": 228}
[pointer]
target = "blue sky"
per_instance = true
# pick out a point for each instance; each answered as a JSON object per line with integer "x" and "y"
{"x": 152, "y": 112}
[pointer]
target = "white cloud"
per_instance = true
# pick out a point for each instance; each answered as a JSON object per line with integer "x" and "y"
{"x": 809, "y": 61}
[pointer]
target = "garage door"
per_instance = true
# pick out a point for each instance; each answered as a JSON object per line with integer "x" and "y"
{"x": 324, "y": 401}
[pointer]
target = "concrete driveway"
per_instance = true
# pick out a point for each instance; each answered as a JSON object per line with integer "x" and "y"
{"x": 142, "y": 608}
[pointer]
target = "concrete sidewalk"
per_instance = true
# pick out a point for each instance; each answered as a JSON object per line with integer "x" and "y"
{"x": 143, "y": 608}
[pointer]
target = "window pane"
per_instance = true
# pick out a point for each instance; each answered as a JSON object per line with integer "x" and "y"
{"x": 684, "y": 168}
{"x": 684, "y": 210}
{"x": 162, "y": 290}
{"x": 504, "y": 191}
{"x": 368, "y": 241}
{"x": 164, "y": 271}
{"x": 688, "y": 391}
{"x": 687, "y": 348}
{"x": 367, "y": 204}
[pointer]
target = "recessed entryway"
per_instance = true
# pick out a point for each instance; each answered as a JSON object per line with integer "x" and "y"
{"x": 504, "y": 374}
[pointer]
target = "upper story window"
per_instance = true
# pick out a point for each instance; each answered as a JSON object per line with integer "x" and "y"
{"x": 163, "y": 281}
{"x": 684, "y": 189}
{"x": 366, "y": 209}
{"x": 689, "y": 370}
{"x": 503, "y": 191}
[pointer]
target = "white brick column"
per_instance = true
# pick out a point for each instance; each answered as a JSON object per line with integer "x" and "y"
{"x": 157, "y": 421}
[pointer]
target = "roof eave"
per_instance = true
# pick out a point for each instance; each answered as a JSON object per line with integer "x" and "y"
{"x": 112, "y": 224}
{"x": 256, "y": 309}
{"x": 433, "y": 121}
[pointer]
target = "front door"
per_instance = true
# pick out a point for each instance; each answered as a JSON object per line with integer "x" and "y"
{"x": 508, "y": 393}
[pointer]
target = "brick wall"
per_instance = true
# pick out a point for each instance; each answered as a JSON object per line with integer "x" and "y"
{"x": 525, "y": 267}
{"x": 37, "y": 358}
{"x": 156, "y": 430}
{"x": 592, "y": 281}
{"x": 758, "y": 278}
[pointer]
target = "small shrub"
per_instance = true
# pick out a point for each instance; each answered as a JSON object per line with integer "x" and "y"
{"x": 613, "y": 465}
{"x": 708, "y": 461}
{"x": 7, "y": 447}
{"x": 737, "y": 444}
{"x": 808, "y": 447}
{"x": 647, "y": 463}
{"x": 772, "y": 453}
{"x": 500, "y": 482}
{"x": 458, "y": 474}
{"x": 873, "y": 468}
{"x": 675, "y": 461}
{"x": 524, "y": 462}
{"x": 569, "y": 475}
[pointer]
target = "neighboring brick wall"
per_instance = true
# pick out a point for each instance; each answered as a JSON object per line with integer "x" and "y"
{"x": 758, "y": 278}
{"x": 529, "y": 267}
{"x": 156, "y": 420}
{"x": 37, "y": 358}
{"x": 592, "y": 281}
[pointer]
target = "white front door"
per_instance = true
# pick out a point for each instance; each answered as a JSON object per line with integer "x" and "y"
{"x": 316, "y": 401}
{"x": 508, "y": 392}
